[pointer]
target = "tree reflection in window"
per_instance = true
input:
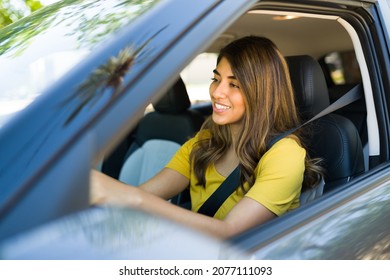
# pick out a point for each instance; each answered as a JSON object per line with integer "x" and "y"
{"x": 108, "y": 75}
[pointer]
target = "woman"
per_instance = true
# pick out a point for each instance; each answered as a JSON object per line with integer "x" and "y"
{"x": 253, "y": 102}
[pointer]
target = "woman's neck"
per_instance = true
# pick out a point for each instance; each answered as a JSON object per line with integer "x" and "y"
{"x": 235, "y": 131}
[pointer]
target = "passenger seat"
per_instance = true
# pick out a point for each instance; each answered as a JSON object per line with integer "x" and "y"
{"x": 159, "y": 134}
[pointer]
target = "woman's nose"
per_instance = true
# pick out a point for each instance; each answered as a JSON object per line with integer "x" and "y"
{"x": 218, "y": 91}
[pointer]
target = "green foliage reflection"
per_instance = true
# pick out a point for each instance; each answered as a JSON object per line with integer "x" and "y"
{"x": 108, "y": 76}
{"x": 89, "y": 21}
{"x": 9, "y": 13}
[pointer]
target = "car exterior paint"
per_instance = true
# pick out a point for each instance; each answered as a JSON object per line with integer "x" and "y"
{"x": 82, "y": 110}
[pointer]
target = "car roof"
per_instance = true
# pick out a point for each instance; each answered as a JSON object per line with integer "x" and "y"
{"x": 294, "y": 33}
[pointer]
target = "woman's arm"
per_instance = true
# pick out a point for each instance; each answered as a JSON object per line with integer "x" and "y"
{"x": 166, "y": 184}
{"x": 246, "y": 214}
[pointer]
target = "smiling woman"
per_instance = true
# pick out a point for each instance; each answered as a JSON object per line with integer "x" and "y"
{"x": 250, "y": 73}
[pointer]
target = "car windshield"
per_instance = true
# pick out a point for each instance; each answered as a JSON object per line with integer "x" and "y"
{"x": 36, "y": 51}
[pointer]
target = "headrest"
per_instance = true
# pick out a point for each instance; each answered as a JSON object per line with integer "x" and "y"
{"x": 309, "y": 85}
{"x": 175, "y": 101}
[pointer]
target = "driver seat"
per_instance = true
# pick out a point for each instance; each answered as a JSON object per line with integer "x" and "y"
{"x": 334, "y": 138}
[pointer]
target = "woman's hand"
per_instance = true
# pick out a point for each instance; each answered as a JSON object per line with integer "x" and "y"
{"x": 97, "y": 191}
{"x": 106, "y": 190}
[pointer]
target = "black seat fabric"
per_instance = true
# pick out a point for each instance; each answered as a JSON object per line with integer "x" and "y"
{"x": 355, "y": 111}
{"x": 334, "y": 138}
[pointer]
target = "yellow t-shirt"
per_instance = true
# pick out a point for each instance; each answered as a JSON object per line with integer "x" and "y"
{"x": 278, "y": 180}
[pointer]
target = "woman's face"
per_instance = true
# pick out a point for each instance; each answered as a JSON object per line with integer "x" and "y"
{"x": 226, "y": 96}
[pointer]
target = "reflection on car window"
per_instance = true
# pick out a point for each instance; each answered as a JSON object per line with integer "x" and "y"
{"x": 39, "y": 49}
{"x": 108, "y": 75}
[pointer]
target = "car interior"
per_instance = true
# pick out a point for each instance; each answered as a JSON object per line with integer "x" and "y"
{"x": 321, "y": 54}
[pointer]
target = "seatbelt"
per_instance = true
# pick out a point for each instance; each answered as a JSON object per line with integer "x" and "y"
{"x": 231, "y": 183}
{"x": 351, "y": 96}
{"x": 212, "y": 204}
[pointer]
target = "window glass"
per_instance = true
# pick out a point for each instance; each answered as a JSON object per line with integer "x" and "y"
{"x": 197, "y": 77}
{"x": 36, "y": 51}
{"x": 343, "y": 67}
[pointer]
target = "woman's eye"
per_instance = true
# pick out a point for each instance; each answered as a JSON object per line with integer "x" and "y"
{"x": 234, "y": 85}
{"x": 213, "y": 80}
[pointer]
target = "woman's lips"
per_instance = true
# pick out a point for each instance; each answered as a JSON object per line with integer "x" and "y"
{"x": 221, "y": 107}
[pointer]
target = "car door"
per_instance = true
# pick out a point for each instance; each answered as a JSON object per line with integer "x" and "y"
{"x": 48, "y": 148}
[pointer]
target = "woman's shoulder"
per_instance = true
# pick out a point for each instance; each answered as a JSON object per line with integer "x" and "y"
{"x": 288, "y": 141}
{"x": 287, "y": 145}
{"x": 202, "y": 134}
{"x": 286, "y": 156}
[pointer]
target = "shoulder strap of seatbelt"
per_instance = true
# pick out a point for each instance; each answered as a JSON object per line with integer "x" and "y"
{"x": 214, "y": 202}
{"x": 231, "y": 183}
{"x": 351, "y": 96}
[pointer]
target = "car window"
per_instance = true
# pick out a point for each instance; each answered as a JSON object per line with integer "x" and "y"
{"x": 342, "y": 68}
{"x": 197, "y": 76}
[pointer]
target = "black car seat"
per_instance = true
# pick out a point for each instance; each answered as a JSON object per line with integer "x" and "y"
{"x": 355, "y": 111}
{"x": 334, "y": 138}
{"x": 159, "y": 134}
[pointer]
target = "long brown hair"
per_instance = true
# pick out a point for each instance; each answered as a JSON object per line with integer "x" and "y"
{"x": 270, "y": 110}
